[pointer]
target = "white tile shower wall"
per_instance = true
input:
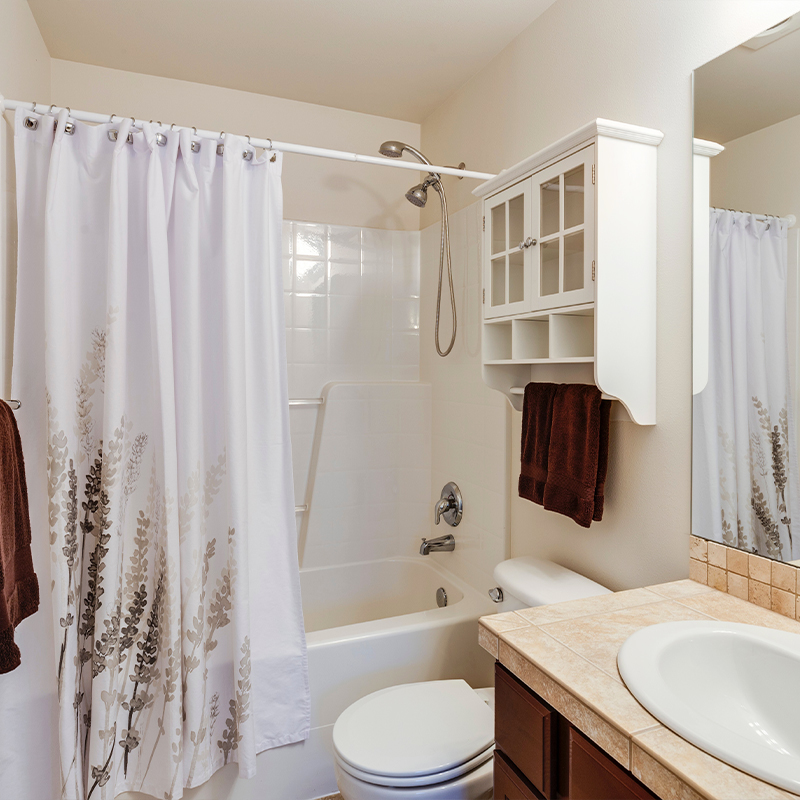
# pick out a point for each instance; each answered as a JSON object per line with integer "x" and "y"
{"x": 372, "y": 474}
{"x": 470, "y": 421}
{"x": 352, "y": 314}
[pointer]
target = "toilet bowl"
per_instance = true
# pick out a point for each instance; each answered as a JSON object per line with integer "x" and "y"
{"x": 435, "y": 740}
{"x": 426, "y": 741}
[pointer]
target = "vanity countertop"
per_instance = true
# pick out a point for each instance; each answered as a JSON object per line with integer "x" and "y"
{"x": 567, "y": 654}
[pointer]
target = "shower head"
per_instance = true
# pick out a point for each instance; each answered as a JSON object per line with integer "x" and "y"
{"x": 392, "y": 149}
{"x": 417, "y": 195}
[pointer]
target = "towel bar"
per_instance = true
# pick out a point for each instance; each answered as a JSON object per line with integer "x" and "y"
{"x": 307, "y": 401}
{"x": 521, "y": 390}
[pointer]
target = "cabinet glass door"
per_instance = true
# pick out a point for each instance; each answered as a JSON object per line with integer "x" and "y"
{"x": 507, "y": 251}
{"x": 562, "y": 211}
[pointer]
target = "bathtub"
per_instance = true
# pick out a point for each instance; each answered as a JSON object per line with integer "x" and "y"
{"x": 369, "y": 625}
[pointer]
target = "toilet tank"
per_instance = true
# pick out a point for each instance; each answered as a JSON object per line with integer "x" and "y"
{"x": 528, "y": 582}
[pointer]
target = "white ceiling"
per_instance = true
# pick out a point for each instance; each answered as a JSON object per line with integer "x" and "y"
{"x": 745, "y": 90}
{"x": 394, "y": 58}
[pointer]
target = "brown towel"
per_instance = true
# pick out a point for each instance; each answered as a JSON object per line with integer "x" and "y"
{"x": 19, "y": 588}
{"x": 537, "y": 422}
{"x": 570, "y": 478}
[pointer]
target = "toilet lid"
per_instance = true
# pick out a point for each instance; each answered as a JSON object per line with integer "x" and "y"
{"x": 415, "y": 729}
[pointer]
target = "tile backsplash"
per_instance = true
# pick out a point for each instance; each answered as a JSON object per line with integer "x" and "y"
{"x": 769, "y": 584}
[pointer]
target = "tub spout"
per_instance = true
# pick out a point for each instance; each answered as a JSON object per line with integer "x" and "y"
{"x": 445, "y": 544}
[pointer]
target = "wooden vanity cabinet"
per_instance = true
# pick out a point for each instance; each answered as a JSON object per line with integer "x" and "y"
{"x": 539, "y": 755}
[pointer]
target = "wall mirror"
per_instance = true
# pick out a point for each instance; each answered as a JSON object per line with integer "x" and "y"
{"x": 746, "y": 312}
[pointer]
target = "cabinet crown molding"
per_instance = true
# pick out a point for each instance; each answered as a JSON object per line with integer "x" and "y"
{"x": 584, "y": 135}
{"x": 703, "y": 147}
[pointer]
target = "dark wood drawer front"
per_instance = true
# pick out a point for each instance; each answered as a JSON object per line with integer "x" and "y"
{"x": 593, "y": 775}
{"x": 508, "y": 783}
{"x": 525, "y": 730}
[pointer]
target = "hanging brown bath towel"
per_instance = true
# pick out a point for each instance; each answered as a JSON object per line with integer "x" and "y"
{"x": 537, "y": 423}
{"x": 19, "y": 588}
{"x": 576, "y": 441}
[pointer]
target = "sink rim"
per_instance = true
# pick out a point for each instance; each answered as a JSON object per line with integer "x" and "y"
{"x": 638, "y": 664}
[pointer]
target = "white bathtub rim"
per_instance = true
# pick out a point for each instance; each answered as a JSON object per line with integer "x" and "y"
{"x": 471, "y": 606}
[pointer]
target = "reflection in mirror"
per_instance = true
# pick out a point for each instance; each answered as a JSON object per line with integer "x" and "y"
{"x": 745, "y": 486}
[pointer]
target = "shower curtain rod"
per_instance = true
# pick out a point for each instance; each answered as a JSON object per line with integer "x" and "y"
{"x": 267, "y": 144}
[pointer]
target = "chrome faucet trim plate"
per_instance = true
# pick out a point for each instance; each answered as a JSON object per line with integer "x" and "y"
{"x": 450, "y": 505}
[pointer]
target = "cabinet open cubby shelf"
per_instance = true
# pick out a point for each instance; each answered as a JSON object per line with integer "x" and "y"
{"x": 553, "y": 337}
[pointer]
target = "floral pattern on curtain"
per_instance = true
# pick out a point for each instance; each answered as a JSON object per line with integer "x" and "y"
{"x": 744, "y": 471}
{"x": 150, "y": 322}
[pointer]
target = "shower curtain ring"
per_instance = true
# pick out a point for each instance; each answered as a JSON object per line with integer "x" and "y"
{"x": 270, "y": 142}
{"x": 69, "y": 110}
{"x": 50, "y": 110}
{"x": 172, "y": 126}
{"x": 33, "y": 106}
{"x": 111, "y": 118}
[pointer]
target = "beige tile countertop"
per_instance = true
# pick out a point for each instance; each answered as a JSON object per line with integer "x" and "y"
{"x": 567, "y": 653}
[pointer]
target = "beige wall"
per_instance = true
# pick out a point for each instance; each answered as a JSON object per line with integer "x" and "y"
{"x": 314, "y": 189}
{"x": 24, "y": 73}
{"x": 632, "y": 61}
{"x": 759, "y": 172}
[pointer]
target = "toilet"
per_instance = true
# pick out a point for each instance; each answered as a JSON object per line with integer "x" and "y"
{"x": 435, "y": 740}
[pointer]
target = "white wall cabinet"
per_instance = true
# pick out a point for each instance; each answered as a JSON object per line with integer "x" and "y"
{"x": 570, "y": 267}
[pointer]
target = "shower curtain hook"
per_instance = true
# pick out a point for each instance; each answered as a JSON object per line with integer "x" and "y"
{"x": 111, "y": 118}
{"x": 33, "y": 106}
{"x": 50, "y": 110}
{"x": 195, "y": 130}
{"x": 270, "y": 142}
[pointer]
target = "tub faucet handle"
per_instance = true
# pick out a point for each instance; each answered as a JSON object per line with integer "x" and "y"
{"x": 450, "y": 505}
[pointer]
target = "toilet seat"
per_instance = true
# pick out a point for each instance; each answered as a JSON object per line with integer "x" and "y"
{"x": 418, "y": 734}
{"x": 417, "y": 780}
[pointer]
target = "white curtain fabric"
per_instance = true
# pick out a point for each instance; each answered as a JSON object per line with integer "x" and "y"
{"x": 744, "y": 456}
{"x": 150, "y": 357}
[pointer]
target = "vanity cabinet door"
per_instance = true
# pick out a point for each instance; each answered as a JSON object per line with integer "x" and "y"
{"x": 593, "y": 775}
{"x": 525, "y": 731}
{"x": 508, "y": 783}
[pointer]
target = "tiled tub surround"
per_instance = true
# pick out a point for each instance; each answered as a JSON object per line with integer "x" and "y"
{"x": 352, "y": 314}
{"x": 470, "y": 439}
{"x": 370, "y": 492}
{"x": 352, "y": 305}
{"x": 769, "y": 584}
{"x": 567, "y": 654}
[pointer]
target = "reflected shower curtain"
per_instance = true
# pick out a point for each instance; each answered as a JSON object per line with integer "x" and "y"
{"x": 744, "y": 471}
{"x": 150, "y": 356}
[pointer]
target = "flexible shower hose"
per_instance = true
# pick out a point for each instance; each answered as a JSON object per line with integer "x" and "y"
{"x": 444, "y": 253}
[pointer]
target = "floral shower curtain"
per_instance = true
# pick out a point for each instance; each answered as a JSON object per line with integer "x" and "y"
{"x": 745, "y": 454}
{"x": 150, "y": 356}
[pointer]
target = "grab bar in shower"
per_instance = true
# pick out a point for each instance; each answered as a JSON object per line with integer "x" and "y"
{"x": 521, "y": 390}
{"x": 306, "y": 401}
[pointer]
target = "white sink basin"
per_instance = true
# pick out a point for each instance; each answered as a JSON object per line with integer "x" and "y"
{"x": 732, "y": 690}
